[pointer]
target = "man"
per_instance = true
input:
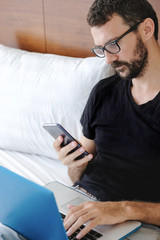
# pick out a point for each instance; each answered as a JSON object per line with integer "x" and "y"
{"x": 121, "y": 121}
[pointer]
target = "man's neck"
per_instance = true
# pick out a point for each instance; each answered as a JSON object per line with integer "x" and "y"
{"x": 146, "y": 87}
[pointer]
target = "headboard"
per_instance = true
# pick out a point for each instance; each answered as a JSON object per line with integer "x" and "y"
{"x": 49, "y": 26}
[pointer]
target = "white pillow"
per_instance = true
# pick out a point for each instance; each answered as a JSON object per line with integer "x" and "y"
{"x": 40, "y": 88}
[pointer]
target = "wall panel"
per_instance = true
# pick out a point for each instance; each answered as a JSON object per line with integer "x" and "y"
{"x": 53, "y": 26}
{"x": 22, "y": 24}
{"x": 60, "y": 26}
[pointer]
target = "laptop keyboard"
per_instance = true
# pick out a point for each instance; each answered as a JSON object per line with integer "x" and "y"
{"x": 92, "y": 235}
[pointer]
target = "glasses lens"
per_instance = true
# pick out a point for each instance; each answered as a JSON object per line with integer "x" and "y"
{"x": 98, "y": 51}
{"x": 112, "y": 47}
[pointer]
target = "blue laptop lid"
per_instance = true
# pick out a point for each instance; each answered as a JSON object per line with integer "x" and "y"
{"x": 29, "y": 208}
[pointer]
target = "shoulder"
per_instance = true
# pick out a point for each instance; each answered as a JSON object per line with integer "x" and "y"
{"x": 107, "y": 85}
{"x": 109, "y": 82}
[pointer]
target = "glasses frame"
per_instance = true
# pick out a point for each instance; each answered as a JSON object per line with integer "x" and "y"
{"x": 131, "y": 29}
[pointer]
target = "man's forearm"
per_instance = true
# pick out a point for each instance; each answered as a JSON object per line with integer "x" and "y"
{"x": 76, "y": 173}
{"x": 108, "y": 213}
{"x": 144, "y": 211}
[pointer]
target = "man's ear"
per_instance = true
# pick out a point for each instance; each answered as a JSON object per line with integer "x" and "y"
{"x": 147, "y": 29}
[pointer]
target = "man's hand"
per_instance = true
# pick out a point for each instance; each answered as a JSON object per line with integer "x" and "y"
{"x": 68, "y": 158}
{"x": 75, "y": 167}
{"x": 97, "y": 213}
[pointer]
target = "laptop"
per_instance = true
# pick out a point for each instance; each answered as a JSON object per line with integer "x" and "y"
{"x": 36, "y": 213}
{"x": 65, "y": 195}
{"x": 29, "y": 209}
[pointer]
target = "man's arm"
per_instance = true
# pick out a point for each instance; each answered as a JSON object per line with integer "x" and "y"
{"x": 76, "y": 172}
{"x": 100, "y": 213}
{"x": 75, "y": 168}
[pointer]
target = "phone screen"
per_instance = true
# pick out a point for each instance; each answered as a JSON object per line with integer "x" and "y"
{"x": 56, "y": 130}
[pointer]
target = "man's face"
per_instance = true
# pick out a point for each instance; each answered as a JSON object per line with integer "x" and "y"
{"x": 132, "y": 60}
{"x": 135, "y": 67}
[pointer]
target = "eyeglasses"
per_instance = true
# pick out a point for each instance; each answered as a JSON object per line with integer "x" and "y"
{"x": 113, "y": 46}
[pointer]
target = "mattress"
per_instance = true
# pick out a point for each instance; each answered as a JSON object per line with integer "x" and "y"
{"x": 39, "y": 169}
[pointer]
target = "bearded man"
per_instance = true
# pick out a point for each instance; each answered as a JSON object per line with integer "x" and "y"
{"x": 121, "y": 121}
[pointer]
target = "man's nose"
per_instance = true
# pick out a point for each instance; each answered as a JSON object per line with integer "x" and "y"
{"x": 110, "y": 58}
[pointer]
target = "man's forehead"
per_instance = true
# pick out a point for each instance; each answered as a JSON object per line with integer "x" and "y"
{"x": 109, "y": 31}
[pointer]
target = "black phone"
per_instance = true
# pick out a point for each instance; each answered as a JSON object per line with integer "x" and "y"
{"x": 56, "y": 130}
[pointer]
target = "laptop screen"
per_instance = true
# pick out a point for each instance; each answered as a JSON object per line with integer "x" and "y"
{"x": 29, "y": 208}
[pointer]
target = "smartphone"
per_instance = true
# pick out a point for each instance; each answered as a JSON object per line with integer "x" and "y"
{"x": 56, "y": 130}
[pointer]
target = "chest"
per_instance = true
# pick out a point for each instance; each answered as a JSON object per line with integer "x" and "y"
{"x": 122, "y": 129}
{"x": 141, "y": 97}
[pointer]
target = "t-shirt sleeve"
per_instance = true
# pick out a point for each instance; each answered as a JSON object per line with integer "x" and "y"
{"x": 87, "y": 117}
{"x": 90, "y": 116}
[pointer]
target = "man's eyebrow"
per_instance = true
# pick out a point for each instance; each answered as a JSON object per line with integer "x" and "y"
{"x": 111, "y": 40}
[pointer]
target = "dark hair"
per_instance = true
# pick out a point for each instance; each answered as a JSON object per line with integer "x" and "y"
{"x": 132, "y": 11}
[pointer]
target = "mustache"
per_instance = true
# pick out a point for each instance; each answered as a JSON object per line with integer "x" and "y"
{"x": 116, "y": 64}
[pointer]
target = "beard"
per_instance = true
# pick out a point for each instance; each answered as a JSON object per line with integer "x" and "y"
{"x": 136, "y": 67}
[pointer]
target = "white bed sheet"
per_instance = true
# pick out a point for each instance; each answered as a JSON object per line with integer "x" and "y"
{"x": 39, "y": 169}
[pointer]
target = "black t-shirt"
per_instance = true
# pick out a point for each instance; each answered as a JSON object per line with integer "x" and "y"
{"x": 127, "y": 137}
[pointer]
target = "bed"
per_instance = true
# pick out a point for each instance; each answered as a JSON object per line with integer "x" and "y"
{"x": 47, "y": 71}
{"x": 46, "y": 74}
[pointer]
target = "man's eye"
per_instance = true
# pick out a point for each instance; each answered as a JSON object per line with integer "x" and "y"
{"x": 112, "y": 45}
